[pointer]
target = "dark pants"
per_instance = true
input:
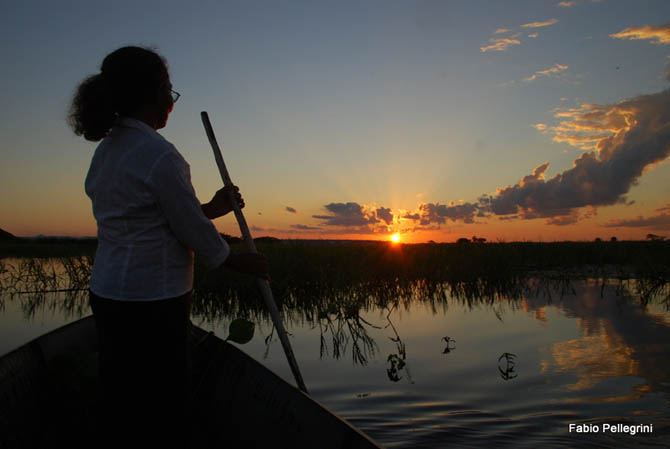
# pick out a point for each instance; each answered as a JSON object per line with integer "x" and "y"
{"x": 144, "y": 371}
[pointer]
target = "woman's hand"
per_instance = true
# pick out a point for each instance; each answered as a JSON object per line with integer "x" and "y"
{"x": 250, "y": 263}
{"x": 221, "y": 202}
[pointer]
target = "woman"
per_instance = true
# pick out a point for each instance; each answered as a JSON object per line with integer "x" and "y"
{"x": 149, "y": 224}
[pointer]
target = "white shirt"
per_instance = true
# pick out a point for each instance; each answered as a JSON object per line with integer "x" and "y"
{"x": 149, "y": 219}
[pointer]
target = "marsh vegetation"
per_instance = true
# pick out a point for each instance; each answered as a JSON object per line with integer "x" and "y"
{"x": 316, "y": 279}
{"x": 434, "y": 336}
{"x": 331, "y": 285}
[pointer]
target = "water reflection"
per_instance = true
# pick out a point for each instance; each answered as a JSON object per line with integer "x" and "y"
{"x": 449, "y": 344}
{"x": 507, "y": 366}
{"x": 397, "y": 360}
{"x": 621, "y": 337}
{"x": 533, "y": 353}
{"x": 346, "y": 327}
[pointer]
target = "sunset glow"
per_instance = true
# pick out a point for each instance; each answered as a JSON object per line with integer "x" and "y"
{"x": 509, "y": 123}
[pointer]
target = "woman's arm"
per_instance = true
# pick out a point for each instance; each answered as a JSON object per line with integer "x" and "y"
{"x": 170, "y": 183}
{"x": 220, "y": 204}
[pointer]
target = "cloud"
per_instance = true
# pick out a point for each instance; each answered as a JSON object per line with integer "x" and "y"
{"x": 564, "y": 220}
{"x": 660, "y": 221}
{"x": 622, "y": 142}
{"x": 658, "y": 34}
{"x": 570, "y": 4}
{"x": 439, "y": 213}
{"x": 590, "y": 124}
{"x": 385, "y": 214}
{"x": 292, "y": 210}
{"x": 539, "y": 24}
{"x": 272, "y": 230}
{"x": 666, "y": 74}
{"x": 556, "y": 68}
{"x": 627, "y": 138}
{"x": 346, "y": 214}
{"x": 306, "y": 228}
{"x": 504, "y": 43}
{"x": 357, "y": 218}
{"x": 500, "y": 44}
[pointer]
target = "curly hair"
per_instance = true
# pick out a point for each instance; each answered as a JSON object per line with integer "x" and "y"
{"x": 129, "y": 78}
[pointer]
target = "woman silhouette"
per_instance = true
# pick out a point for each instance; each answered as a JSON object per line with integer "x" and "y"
{"x": 149, "y": 224}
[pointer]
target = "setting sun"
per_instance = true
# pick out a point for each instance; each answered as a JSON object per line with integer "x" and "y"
{"x": 395, "y": 238}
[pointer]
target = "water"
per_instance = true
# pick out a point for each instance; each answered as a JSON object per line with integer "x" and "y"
{"x": 456, "y": 373}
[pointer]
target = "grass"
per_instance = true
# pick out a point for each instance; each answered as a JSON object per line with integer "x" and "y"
{"x": 463, "y": 260}
{"x": 316, "y": 279}
{"x": 331, "y": 285}
{"x": 47, "y": 247}
{"x": 360, "y": 276}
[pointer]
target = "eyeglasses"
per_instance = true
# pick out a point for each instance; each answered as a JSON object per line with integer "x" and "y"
{"x": 175, "y": 95}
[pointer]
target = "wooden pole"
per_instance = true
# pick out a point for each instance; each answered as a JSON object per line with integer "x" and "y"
{"x": 263, "y": 284}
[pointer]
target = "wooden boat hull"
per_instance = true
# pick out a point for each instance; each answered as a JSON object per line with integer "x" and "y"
{"x": 49, "y": 390}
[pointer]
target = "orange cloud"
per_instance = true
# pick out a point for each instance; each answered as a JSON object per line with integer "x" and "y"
{"x": 624, "y": 140}
{"x": 627, "y": 138}
{"x": 500, "y": 44}
{"x": 589, "y": 124}
{"x": 539, "y": 24}
{"x": 593, "y": 359}
{"x": 556, "y": 68}
{"x": 661, "y": 221}
{"x": 658, "y": 34}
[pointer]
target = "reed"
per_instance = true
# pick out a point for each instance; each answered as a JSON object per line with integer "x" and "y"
{"x": 315, "y": 281}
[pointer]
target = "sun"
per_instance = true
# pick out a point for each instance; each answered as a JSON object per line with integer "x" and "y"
{"x": 395, "y": 238}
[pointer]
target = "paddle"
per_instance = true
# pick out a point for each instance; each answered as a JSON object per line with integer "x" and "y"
{"x": 263, "y": 284}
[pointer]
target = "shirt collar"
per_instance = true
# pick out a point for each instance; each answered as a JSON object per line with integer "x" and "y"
{"x": 128, "y": 122}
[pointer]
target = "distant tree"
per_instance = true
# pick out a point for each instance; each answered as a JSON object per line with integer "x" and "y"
{"x": 476, "y": 239}
{"x": 655, "y": 238}
{"x": 463, "y": 240}
{"x": 229, "y": 238}
{"x": 613, "y": 239}
{"x": 598, "y": 239}
{"x": 4, "y": 235}
{"x": 266, "y": 239}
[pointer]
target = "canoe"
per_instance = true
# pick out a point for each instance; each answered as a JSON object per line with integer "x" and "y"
{"x": 49, "y": 393}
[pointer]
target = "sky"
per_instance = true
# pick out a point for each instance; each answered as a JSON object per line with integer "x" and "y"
{"x": 437, "y": 120}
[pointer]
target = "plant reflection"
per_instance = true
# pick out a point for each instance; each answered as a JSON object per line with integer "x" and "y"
{"x": 345, "y": 325}
{"x": 397, "y": 362}
{"x": 55, "y": 285}
{"x": 448, "y": 348}
{"x": 622, "y": 339}
{"x": 507, "y": 368}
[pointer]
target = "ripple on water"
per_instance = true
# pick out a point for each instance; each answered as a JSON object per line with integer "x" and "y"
{"x": 401, "y": 419}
